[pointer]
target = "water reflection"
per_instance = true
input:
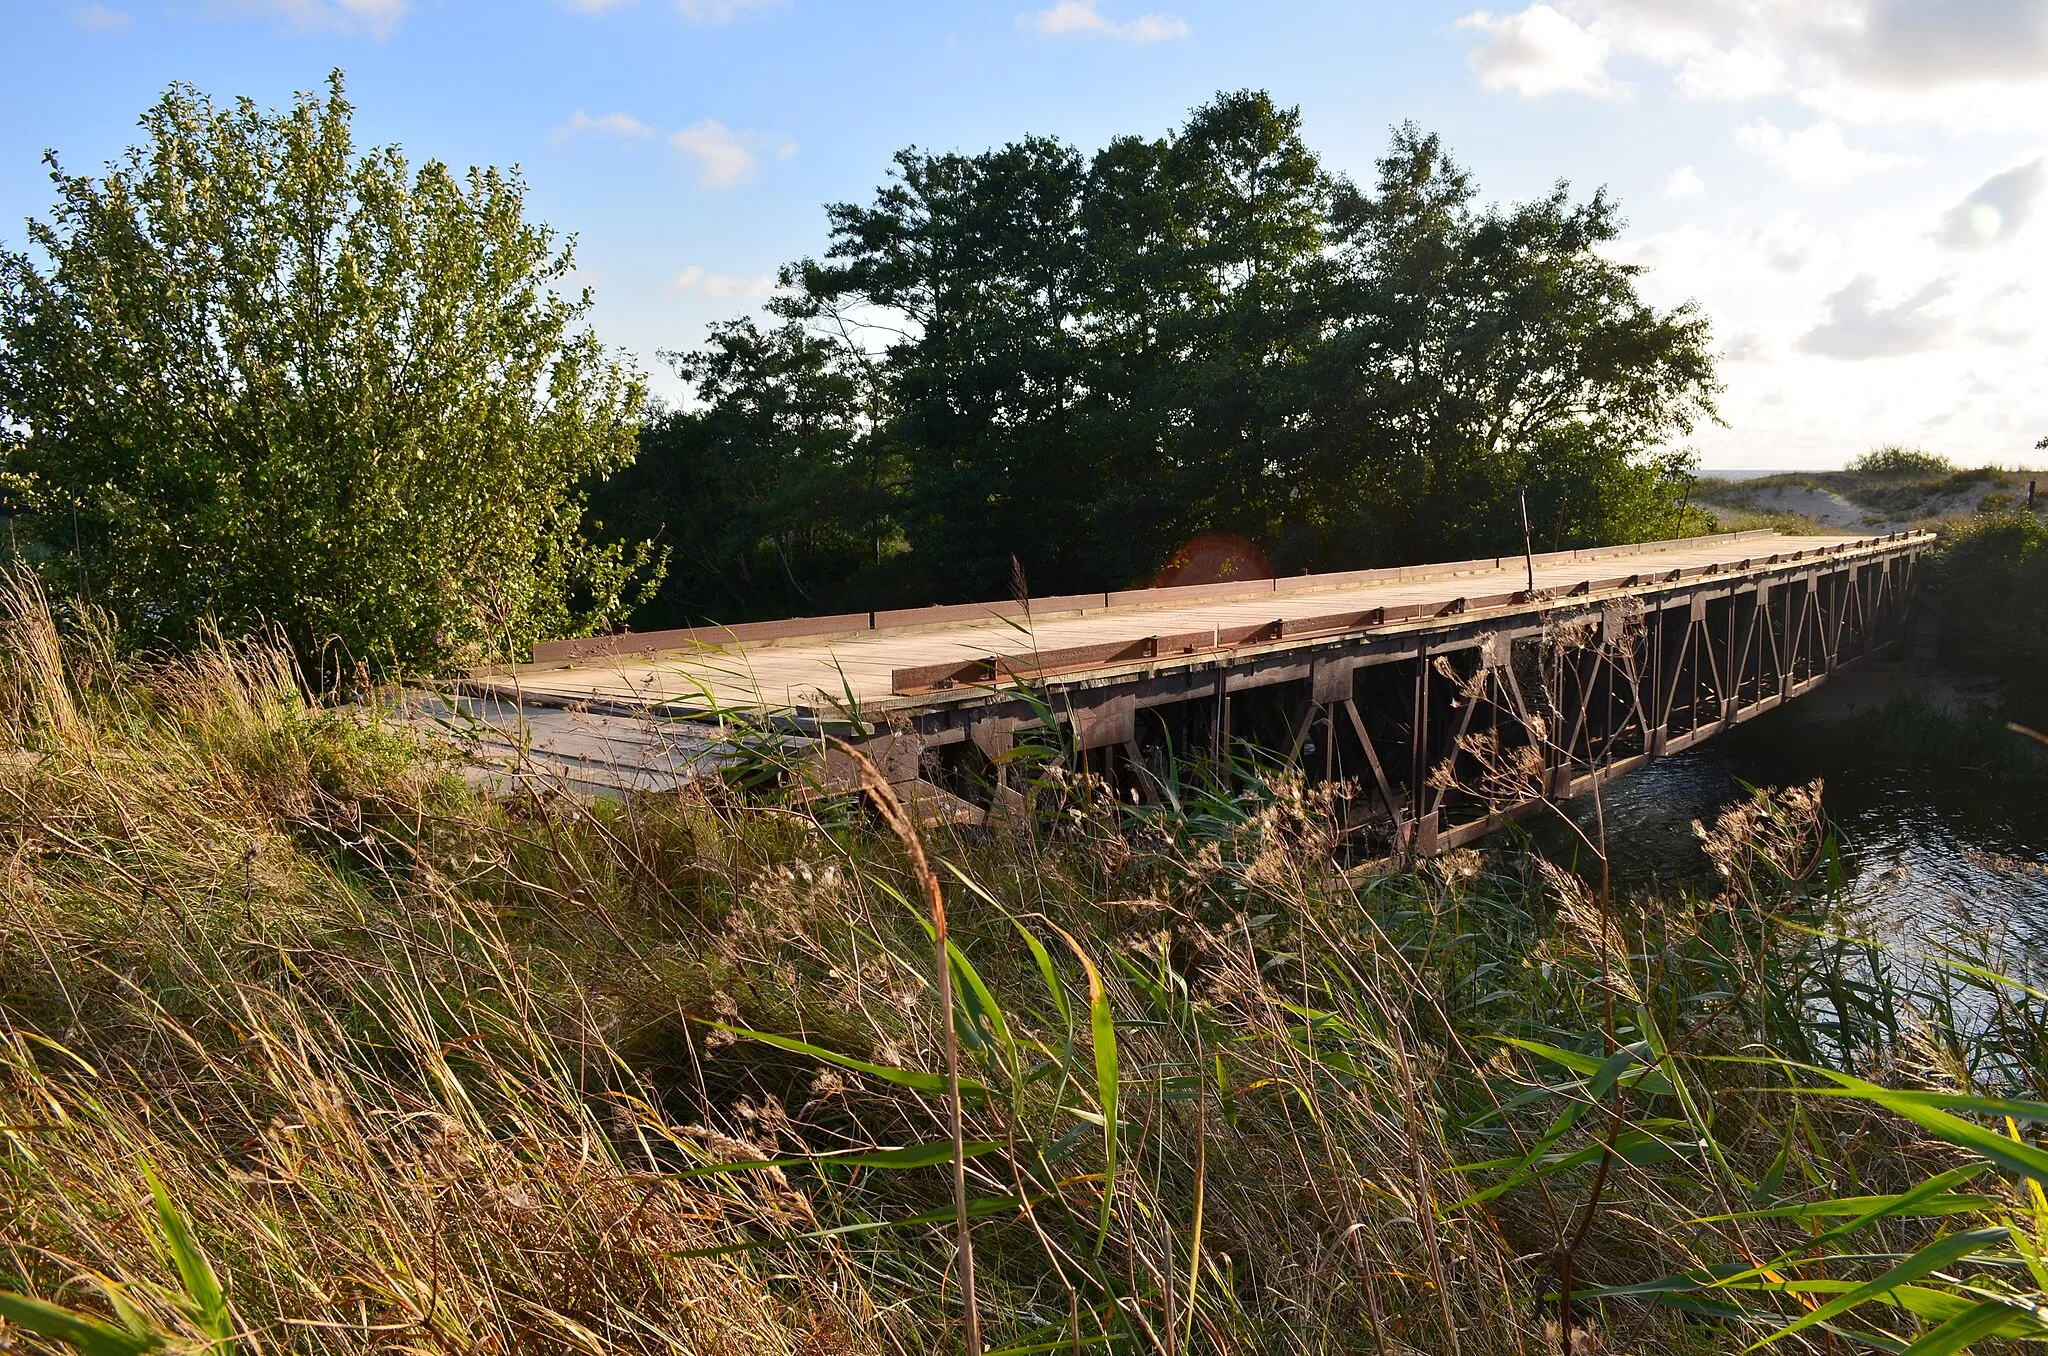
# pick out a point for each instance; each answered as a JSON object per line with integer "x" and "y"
{"x": 1939, "y": 853}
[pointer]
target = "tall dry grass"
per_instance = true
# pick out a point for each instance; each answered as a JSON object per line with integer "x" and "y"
{"x": 421, "y": 1069}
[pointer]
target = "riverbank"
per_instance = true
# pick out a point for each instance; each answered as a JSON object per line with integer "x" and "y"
{"x": 1892, "y": 500}
{"x": 1940, "y": 811}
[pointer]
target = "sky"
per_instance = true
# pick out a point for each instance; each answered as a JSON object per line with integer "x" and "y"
{"x": 1855, "y": 191}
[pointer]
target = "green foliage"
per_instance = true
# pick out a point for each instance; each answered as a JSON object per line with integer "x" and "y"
{"x": 665, "y": 1074}
{"x": 1990, "y": 582}
{"x": 1485, "y": 349}
{"x": 1894, "y": 459}
{"x": 252, "y": 377}
{"x": 1913, "y": 729}
{"x": 81, "y": 1332}
{"x": 771, "y": 492}
{"x": 1081, "y": 362}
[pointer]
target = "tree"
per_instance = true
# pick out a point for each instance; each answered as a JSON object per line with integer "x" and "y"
{"x": 773, "y": 490}
{"x": 1230, "y": 292}
{"x": 258, "y": 379}
{"x": 1478, "y": 351}
{"x": 1085, "y": 362}
{"x": 979, "y": 259}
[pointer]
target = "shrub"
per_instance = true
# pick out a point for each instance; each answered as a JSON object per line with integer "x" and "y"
{"x": 1990, "y": 582}
{"x": 1895, "y": 460}
{"x": 251, "y": 377}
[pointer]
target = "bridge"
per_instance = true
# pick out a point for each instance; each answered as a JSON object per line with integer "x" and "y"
{"x": 1442, "y": 699}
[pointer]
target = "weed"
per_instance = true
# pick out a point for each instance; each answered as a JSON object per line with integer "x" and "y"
{"x": 306, "y": 1045}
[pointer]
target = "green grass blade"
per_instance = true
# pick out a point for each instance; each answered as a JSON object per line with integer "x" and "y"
{"x": 914, "y": 1079}
{"x": 913, "y": 1156}
{"x": 203, "y": 1291}
{"x": 1882, "y": 1207}
{"x": 58, "y": 1324}
{"x": 1869, "y": 1207}
{"x": 1935, "y": 1256}
{"x": 1056, "y": 990}
{"x": 1988, "y": 1319}
{"x": 1102, "y": 1032}
{"x": 1927, "y": 1110}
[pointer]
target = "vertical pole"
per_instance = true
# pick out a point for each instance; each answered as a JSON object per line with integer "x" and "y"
{"x": 1418, "y": 750}
{"x": 1731, "y": 676}
{"x": 1529, "y": 554}
{"x": 1216, "y": 725}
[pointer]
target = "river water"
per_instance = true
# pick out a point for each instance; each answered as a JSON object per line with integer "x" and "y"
{"x": 1940, "y": 853}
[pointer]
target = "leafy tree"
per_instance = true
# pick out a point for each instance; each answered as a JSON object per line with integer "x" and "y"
{"x": 1083, "y": 363}
{"x": 773, "y": 489}
{"x": 1232, "y": 289}
{"x": 979, "y": 257}
{"x": 252, "y": 377}
{"x": 1482, "y": 350}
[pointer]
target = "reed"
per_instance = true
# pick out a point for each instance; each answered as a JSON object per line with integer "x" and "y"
{"x": 307, "y": 1045}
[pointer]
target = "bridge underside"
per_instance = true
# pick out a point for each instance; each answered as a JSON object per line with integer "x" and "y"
{"x": 1436, "y": 726}
{"x": 1442, "y": 737}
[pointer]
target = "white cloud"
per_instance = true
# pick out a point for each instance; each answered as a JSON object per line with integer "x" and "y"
{"x": 1954, "y": 62}
{"x": 1938, "y": 42}
{"x": 716, "y": 11}
{"x": 1995, "y": 210}
{"x": 1860, "y": 326}
{"x": 100, "y": 19}
{"x": 1806, "y": 312}
{"x": 1745, "y": 347}
{"x": 1788, "y": 244}
{"x": 1541, "y": 51}
{"x": 1739, "y": 72}
{"x": 377, "y": 18}
{"x": 720, "y": 286}
{"x": 1685, "y": 182}
{"x": 1817, "y": 155}
{"x": 611, "y": 124}
{"x": 725, "y": 158}
{"x": 596, "y": 6}
{"x": 1084, "y": 19}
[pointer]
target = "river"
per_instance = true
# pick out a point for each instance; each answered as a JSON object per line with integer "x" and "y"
{"x": 1939, "y": 852}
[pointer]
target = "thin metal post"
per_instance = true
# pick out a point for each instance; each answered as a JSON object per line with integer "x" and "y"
{"x": 1529, "y": 553}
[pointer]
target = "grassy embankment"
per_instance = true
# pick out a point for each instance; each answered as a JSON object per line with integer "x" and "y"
{"x": 421, "y": 1070}
{"x": 1888, "y": 490}
{"x": 1988, "y": 583}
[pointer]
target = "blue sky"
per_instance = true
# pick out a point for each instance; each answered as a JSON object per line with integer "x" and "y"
{"x": 1852, "y": 188}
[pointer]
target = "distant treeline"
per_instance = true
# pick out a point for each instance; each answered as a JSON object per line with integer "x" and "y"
{"x": 1080, "y": 362}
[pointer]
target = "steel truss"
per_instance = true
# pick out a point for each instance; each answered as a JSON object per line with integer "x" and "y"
{"x": 1439, "y": 731}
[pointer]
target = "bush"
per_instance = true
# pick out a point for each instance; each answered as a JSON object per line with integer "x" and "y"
{"x": 251, "y": 377}
{"x": 1895, "y": 460}
{"x": 1990, "y": 583}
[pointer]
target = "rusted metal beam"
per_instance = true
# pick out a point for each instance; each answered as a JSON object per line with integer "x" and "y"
{"x": 1714, "y": 646}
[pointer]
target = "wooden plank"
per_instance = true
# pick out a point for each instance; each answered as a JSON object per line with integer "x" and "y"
{"x": 810, "y": 673}
{"x": 695, "y": 637}
{"x": 895, "y": 756}
{"x": 1191, "y": 593}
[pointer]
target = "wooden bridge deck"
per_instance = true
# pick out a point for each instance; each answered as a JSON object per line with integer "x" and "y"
{"x": 892, "y": 662}
{"x": 1441, "y": 700}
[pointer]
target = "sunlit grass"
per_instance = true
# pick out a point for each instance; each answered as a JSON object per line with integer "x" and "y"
{"x": 420, "y": 1069}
